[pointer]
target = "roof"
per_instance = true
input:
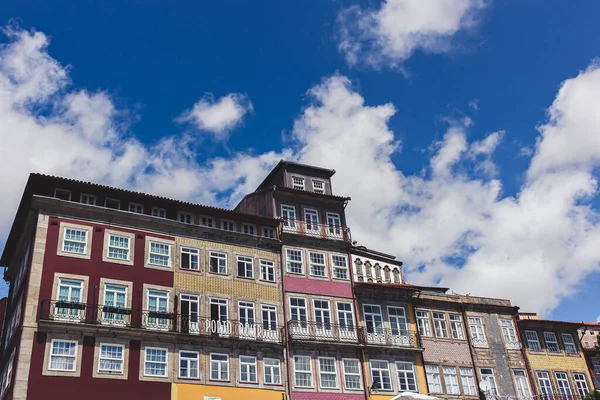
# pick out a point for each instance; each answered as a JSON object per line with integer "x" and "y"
{"x": 36, "y": 180}
{"x": 406, "y": 286}
{"x": 283, "y": 163}
{"x": 550, "y": 322}
{"x": 312, "y": 194}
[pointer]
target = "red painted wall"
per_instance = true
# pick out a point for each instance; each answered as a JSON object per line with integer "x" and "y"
{"x": 316, "y": 286}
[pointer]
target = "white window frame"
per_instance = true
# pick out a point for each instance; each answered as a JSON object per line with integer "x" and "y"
{"x": 327, "y": 373}
{"x": 352, "y": 374}
{"x": 569, "y": 345}
{"x": 312, "y": 263}
{"x": 121, "y": 360}
{"x": 316, "y": 188}
{"x": 228, "y": 225}
{"x": 74, "y": 357}
{"x": 494, "y": 387}
{"x": 287, "y": 212}
{"x": 443, "y": 325}
{"x": 188, "y": 360}
{"x": 249, "y": 229}
{"x": 121, "y": 319}
{"x": 85, "y": 242}
{"x": 295, "y": 262}
{"x": 191, "y": 253}
{"x": 476, "y": 328}
{"x": 151, "y": 241}
{"x": 581, "y": 384}
{"x": 166, "y": 362}
{"x": 298, "y": 309}
{"x": 467, "y": 379}
{"x": 303, "y": 371}
{"x": 423, "y": 323}
{"x": 348, "y": 315}
{"x": 451, "y": 379}
{"x": 456, "y": 326}
{"x": 109, "y": 247}
{"x": 566, "y": 388}
{"x": 300, "y": 184}
{"x": 553, "y": 341}
{"x": 267, "y": 268}
{"x": 274, "y": 365}
{"x": 268, "y": 232}
{"x": 406, "y": 373}
{"x": 159, "y": 212}
{"x": 249, "y": 311}
{"x": 521, "y": 383}
{"x": 220, "y": 365}
{"x": 311, "y": 220}
{"x": 335, "y": 228}
{"x": 158, "y": 325}
{"x": 249, "y": 366}
{"x": 433, "y": 385}
{"x": 339, "y": 272}
{"x": 64, "y": 191}
{"x": 508, "y": 331}
{"x": 136, "y": 208}
{"x": 116, "y": 201}
{"x": 208, "y": 222}
{"x": 381, "y": 371}
{"x": 531, "y": 340}
{"x": 86, "y": 198}
{"x": 247, "y": 261}
{"x": 185, "y": 217}
{"x": 544, "y": 376}
{"x": 271, "y": 310}
{"x": 218, "y": 256}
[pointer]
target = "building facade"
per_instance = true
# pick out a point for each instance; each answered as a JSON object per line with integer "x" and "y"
{"x": 556, "y": 360}
{"x": 588, "y": 336}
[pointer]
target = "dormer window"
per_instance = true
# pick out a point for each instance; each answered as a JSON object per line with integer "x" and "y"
{"x": 136, "y": 208}
{"x": 318, "y": 186}
{"x": 207, "y": 221}
{"x": 64, "y": 194}
{"x": 186, "y": 218}
{"x": 88, "y": 199}
{"x": 298, "y": 183}
{"x": 112, "y": 203}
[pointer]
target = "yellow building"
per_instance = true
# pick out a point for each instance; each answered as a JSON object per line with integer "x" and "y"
{"x": 555, "y": 358}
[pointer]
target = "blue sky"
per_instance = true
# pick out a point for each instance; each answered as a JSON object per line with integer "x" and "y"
{"x": 417, "y": 111}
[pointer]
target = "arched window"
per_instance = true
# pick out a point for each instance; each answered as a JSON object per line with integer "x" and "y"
{"x": 358, "y": 267}
{"x": 368, "y": 271}
{"x": 377, "y": 272}
{"x": 361, "y": 279}
{"x": 386, "y": 273}
{"x": 396, "y": 274}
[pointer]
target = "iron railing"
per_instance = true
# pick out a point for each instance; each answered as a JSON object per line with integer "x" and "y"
{"x": 161, "y": 321}
{"x": 329, "y": 231}
{"x": 391, "y": 337}
{"x": 328, "y": 332}
{"x": 555, "y": 396}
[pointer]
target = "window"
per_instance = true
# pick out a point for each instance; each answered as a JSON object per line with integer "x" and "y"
{"x": 298, "y": 310}
{"x": 249, "y": 229}
{"x": 248, "y": 369}
{"x": 63, "y": 355}
{"x": 533, "y": 342}
{"x": 272, "y": 371}
{"x": 581, "y": 384}
{"x": 228, "y": 226}
{"x": 294, "y": 261}
{"x": 328, "y": 373}
{"x": 207, "y": 221}
{"x": 75, "y": 241}
{"x": 69, "y": 291}
{"x": 423, "y": 323}
{"x": 311, "y": 219}
{"x": 186, "y": 218}
{"x": 218, "y": 310}
{"x": 159, "y": 254}
{"x": 288, "y": 213}
{"x": 544, "y": 382}
{"x": 268, "y": 233}
{"x": 297, "y": 182}
{"x": 477, "y": 333}
{"x": 380, "y": 372}
{"x": 318, "y": 187}
{"x": 508, "y": 331}
{"x": 406, "y": 376}
{"x": 159, "y": 212}
{"x": 219, "y": 367}
{"x": 245, "y": 267}
{"x": 269, "y": 317}
{"x": 158, "y": 301}
{"x": 352, "y": 378}
{"x": 303, "y": 371}
{"x": 468, "y": 381}
{"x": 118, "y": 247}
{"x": 246, "y": 313}
{"x": 267, "y": 270}
{"x": 373, "y": 318}
{"x": 317, "y": 264}
{"x": 487, "y": 375}
{"x": 551, "y": 342}
{"x": 112, "y": 203}
{"x": 433, "y": 378}
{"x": 87, "y": 199}
{"x": 62, "y": 194}
{"x": 114, "y": 296}
{"x": 345, "y": 315}
{"x": 188, "y": 364}
{"x": 396, "y": 276}
{"x": 569, "y": 343}
{"x": 190, "y": 259}
{"x": 456, "y": 326}
{"x": 377, "y": 269}
{"x": 439, "y": 324}
{"x": 322, "y": 314}
{"x": 136, "y": 208}
{"x": 398, "y": 323}
{"x": 218, "y": 263}
{"x": 334, "y": 224}
{"x": 563, "y": 383}
{"x": 111, "y": 358}
{"x": 340, "y": 267}
{"x": 451, "y": 380}
{"x": 522, "y": 383}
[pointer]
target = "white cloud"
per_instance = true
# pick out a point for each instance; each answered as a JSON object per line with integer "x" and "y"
{"x": 390, "y": 34}
{"x": 534, "y": 248}
{"x": 219, "y": 116}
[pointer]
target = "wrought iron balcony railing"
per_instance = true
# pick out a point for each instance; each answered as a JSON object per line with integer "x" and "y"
{"x": 382, "y": 336}
{"x": 330, "y": 231}
{"x": 328, "y": 332}
{"x": 164, "y": 321}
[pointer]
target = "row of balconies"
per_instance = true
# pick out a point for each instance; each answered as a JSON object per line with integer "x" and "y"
{"x": 307, "y": 228}
{"x": 160, "y": 321}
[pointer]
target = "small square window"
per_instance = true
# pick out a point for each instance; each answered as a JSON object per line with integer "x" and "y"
{"x": 318, "y": 187}
{"x": 63, "y": 355}
{"x": 111, "y": 358}
{"x": 228, "y": 225}
{"x": 249, "y": 229}
{"x": 136, "y": 208}
{"x": 159, "y": 212}
{"x": 186, "y": 218}
{"x": 155, "y": 361}
{"x": 62, "y": 194}
{"x": 207, "y": 221}
{"x": 298, "y": 183}
{"x": 112, "y": 203}
{"x": 87, "y": 199}
{"x": 268, "y": 233}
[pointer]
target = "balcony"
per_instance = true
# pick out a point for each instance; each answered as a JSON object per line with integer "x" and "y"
{"x": 157, "y": 321}
{"x": 326, "y": 332}
{"x": 380, "y": 336}
{"x": 327, "y": 231}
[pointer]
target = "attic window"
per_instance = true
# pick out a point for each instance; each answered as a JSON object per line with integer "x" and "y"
{"x": 112, "y": 203}
{"x": 62, "y": 194}
{"x": 298, "y": 183}
{"x": 318, "y": 187}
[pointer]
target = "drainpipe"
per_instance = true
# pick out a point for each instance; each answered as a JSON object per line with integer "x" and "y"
{"x": 524, "y": 353}
{"x": 358, "y": 328}
{"x": 286, "y": 349}
{"x": 470, "y": 342}
{"x": 418, "y": 334}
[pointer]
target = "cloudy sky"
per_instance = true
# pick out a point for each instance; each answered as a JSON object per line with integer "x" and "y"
{"x": 467, "y": 132}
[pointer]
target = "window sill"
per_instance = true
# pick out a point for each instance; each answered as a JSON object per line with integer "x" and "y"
{"x": 188, "y": 379}
{"x": 266, "y": 281}
{"x": 246, "y": 278}
{"x": 219, "y": 380}
{"x": 248, "y": 383}
{"x": 296, "y": 273}
{"x": 217, "y": 273}
{"x": 189, "y": 269}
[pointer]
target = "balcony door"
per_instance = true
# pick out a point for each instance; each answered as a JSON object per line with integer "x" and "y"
{"x": 246, "y": 319}
{"x": 218, "y": 317}
{"x": 69, "y": 296}
{"x": 322, "y": 319}
{"x": 374, "y": 323}
{"x": 398, "y": 325}
{"x": 189, "y": 306}
{"x": 311, "y": 219}
{"x": 334, "y": 224}
{"x": 288, "y": 213}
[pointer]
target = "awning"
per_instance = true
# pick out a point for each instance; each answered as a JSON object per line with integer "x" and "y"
{"x": 413, "y": 396}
